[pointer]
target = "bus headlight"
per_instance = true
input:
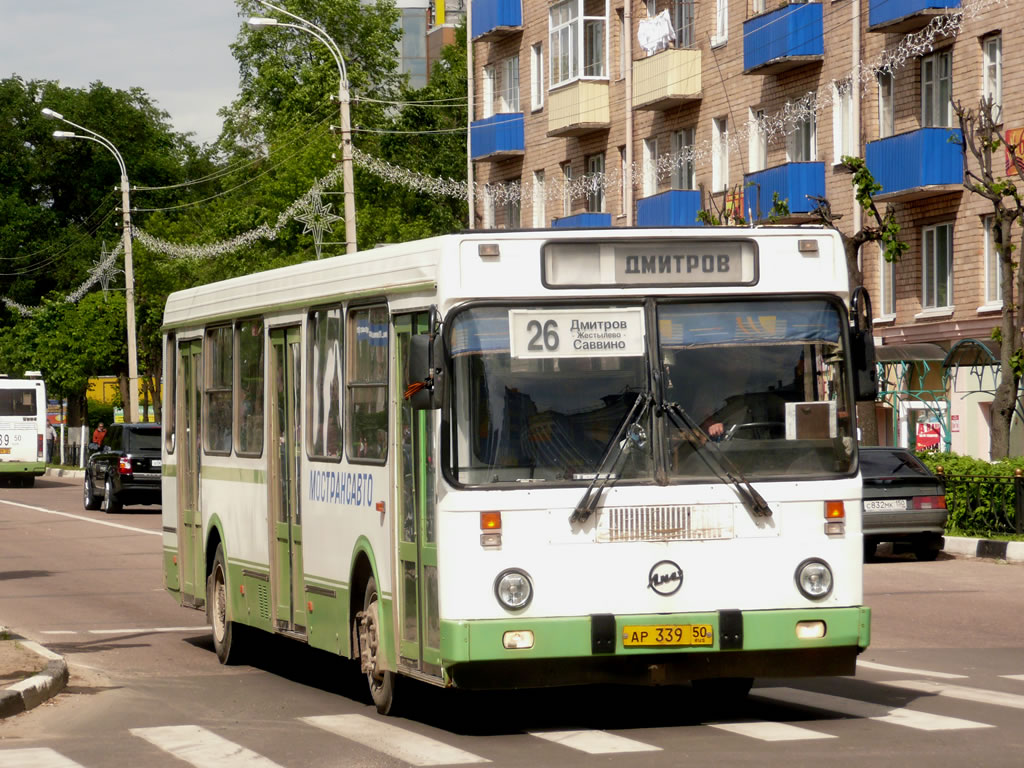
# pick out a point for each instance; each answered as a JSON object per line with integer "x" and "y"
{"x": 814, "y": 579}
{"x": 513, "y": 589}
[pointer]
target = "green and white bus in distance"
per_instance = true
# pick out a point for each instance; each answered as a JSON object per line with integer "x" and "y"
{"x": 22, "y": 429}
{"x": 503, "y": 459}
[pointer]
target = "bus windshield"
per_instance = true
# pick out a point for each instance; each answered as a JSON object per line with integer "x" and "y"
{"x": 765, "y": 379}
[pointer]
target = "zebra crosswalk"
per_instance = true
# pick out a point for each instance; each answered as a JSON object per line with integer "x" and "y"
{"x": 204, "y": 748}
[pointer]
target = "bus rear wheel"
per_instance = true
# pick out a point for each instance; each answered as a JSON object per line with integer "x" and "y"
{"x": 381, "y": 682}
{"x": 225, "y": 631}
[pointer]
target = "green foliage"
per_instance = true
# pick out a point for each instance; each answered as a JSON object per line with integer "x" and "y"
{"x": 99, "y": 411}
{"x": 780, "y": 208}
{"x": 980, "y": 495}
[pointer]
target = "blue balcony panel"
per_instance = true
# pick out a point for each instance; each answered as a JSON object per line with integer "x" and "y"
{"x": 583, "y": 220}
{"x": 495, "y": 19}
{"x": 793, "y": 181}
{"x": 921, "y": 163}
{"x": 675, "y": 208}
{"x": 497, "y": 137}
{"x": 906, "y": 15}
{"x": 788, "y": 37}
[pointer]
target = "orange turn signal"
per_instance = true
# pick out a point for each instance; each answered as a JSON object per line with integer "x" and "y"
{"x": 834, "y": 510}
{"x": 490, "y": 521}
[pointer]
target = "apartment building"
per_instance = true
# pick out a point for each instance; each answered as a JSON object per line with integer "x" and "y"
{"x": 599, "y": 113}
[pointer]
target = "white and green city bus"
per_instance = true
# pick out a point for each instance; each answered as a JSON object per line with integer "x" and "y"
{"x": 510, "y": 459}
{"x": 22, "y": 428}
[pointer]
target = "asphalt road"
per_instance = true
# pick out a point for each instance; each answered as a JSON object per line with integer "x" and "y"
{"x": 942, "y": 684}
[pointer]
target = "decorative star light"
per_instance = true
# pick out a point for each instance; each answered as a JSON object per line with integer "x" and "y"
{"x": 105, "y": 269}
{"x": 317, "y": 217}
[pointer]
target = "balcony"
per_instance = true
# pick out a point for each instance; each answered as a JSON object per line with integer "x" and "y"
{"x": 497, "y": 137}
{"x": 906, "y": 15}
{"x": 921, "y": 163}
{"x": 675, "y": 208}
{"x": 579, "y": 108}
{"x": 495, "y": 19}
{"x": 783, "y": 39}
{"x": 667, "y": 79}
{"x": 794, "y": 182}
{"x": 583, "y": 220}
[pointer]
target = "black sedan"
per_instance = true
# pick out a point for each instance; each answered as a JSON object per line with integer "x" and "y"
{"x": 124, "y": 469}
{"x": 904, "y": 502}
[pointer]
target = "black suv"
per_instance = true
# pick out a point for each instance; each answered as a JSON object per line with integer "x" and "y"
{"x": 124, "y": 468}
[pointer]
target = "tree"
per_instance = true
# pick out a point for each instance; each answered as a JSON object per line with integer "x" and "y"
{"x": 982, "y": 139}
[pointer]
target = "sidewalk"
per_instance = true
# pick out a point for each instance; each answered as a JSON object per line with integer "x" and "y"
{"x": 30, "y": 673}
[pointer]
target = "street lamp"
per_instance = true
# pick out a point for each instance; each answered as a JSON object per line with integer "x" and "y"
{"x": 132, "y": 413}
{"x": 343, "y": 97}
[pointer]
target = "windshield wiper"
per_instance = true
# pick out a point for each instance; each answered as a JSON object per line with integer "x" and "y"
{"x": 616, "y": 449}
{"x": 699, "y": 439}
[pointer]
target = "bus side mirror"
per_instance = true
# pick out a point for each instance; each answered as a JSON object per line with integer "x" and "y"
{"x": 425, "y": 387}
{"x": 862, "y": 347}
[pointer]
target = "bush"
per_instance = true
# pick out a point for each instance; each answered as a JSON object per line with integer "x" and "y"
{"x": 977, "y": 507}
{"x": 97, "y": 412}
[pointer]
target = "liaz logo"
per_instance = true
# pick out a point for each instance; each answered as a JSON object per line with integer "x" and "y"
{"x": 665, "y": 578}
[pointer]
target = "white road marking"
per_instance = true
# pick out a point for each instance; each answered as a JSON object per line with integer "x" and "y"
{"x": 769, "y": 731}
{"x": 907, "y": 670}
{"x": 394, "y": 741}
{"x": 977, "y": 695}
{"x": 144, "y": 630}
{"x": 202, "y": 748}
{"x": 82, "y": 517}
{"x": 35, "y": 758}
{"x": 1014, "y": 677}
{"x": 595, "y": 742}
{"x": 58, "y": 632}
{"x": 909, "y": 718}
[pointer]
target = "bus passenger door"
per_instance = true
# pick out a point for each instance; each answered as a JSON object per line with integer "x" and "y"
{"x": 419, "y": 612}
{"x": 285, "y": 453}
{"x": 188, "y": 429}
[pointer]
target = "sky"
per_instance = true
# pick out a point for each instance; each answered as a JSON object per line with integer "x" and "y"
{"x": 175, "y": 50}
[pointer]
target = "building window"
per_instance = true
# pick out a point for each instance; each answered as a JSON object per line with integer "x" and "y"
{"x": 886, "y": 284}
{"x": 843, "y": 130}
{"x": 682, "y": 159}
{"x": 937, "y": 266}
{"x": 758, "y": 140}
{"x": 719, "y": 154}
{"x": 993, "y": 49}
{"x": 650, "y": 167}
{"x": 993, "y": 275}
{"x": 683, "y": 19}
{"x": 721, "y": 23}
{"x": 490, "y": 81}
{"x": 218, "y": 380}
{"x": 509, "y": 101}
{"x": 367, "y": 371}
{"x": 513, "y": 207}
{"x": 536, "y": 77}
{"x": 595, "y": 183}
{"x": 577, "y": 47}
{"x": 323, "y": 363}
{"x": 538, "y": 199}
{"x": 886, "y": 105}
{"x": 802, "y": 144}
{"x": 488, "y": 212}
{"x": 566, "y": 189}
{"x": 936, "y": 87}
{"x": 624, "y": 179}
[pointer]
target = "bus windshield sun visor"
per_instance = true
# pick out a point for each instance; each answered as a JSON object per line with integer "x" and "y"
{"x": 718, "y": 461}
{"x": 628, "y": 436}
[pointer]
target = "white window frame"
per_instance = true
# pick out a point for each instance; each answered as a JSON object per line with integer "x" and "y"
{"x": 488, "y": 207}
{"x": 566, "y": 189}
{"x": 758, "y": 6}
{"x": 621, "y": 16}
{"x": 539, "y": 200}
{"x": 624, "y": 179}
{"x": 537, "y": 77}
{"x": 886, "y": 105}
{"x": 802, "y": 141}
{"x": 719, "y": 154}
{"x": 683, "y": 175}
{"x": 490, "y": 89}
{"x": 937, "y": 90}
{"x": 934, "y": 263}
{"x": 650, "y": 166}
{"x": 578, "y": 43}
{"x": 992, "y": 50}
{"x": 758, "y": 141}
{"x": 513, "y": 211}
{"x": 508, "y": 95}
{"x": 843, "y": 129}
{"x": 684, "y": 20}
{"x": 595, "y": 194}
{"x": 993, "y": 275}
{"x": 721, "y": 36}
{"x": 886, "y": 285}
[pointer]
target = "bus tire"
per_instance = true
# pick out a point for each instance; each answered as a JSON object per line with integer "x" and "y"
{"x": 111, "y": 502}
{"x": 224, "y": 631}
{"x": 92, "y": 501}
{"x": 381, "y": 682}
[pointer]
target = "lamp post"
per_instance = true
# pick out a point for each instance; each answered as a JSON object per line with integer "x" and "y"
{"x": 343, "y": 97}
{"x": 132, "y": 413}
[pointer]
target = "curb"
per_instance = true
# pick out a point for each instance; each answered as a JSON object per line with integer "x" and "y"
{"x": 1010, "y": 551}
{"x": 52, "y": 472}
{"x": 34, "y": 690}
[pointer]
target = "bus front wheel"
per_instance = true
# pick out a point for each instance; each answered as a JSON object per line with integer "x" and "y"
{"x": 381, "y": 681}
